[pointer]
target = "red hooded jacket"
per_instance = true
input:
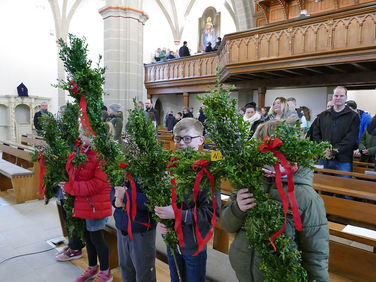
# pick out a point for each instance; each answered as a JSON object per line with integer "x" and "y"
{"x": 91, "y": 189}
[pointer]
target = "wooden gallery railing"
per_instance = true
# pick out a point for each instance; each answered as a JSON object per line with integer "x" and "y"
{"x": 338, "y": 37}
{"x": 329, "y": 35}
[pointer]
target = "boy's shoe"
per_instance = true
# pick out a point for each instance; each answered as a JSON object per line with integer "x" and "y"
{"x": 68, "y": 254}
{"x": 89, "y": 273}
{"x": 103, "y": 277}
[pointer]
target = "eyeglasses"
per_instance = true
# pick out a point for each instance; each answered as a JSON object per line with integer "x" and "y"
{"x": 186, "y": 139}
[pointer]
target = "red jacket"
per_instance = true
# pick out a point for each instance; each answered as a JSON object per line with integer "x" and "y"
{"x": 91, "y": 189}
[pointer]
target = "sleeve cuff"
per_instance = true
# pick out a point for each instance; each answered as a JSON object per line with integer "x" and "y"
{"x": 236, "y": 210}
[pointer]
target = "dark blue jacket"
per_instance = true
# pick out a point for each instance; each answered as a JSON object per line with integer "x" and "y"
{"x": 143, "y": 215}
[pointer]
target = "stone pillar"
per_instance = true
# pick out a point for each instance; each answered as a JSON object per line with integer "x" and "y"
{"x": 261, "y": 97}
{"x": 123, "y": 52}
{"x": 186, "y": 99}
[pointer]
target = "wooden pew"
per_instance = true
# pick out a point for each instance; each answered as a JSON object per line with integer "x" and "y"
{"x": 361, "y": 167}
{"x": 350, "y": 173}
{"x": 19, "y": 172}
{"x": 347, "y": 260}
{"x": 32, "y": 140}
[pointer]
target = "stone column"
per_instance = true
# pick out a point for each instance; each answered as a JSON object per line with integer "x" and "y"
{"x": 123, "y": 52}
{"x": 261, "y": 97}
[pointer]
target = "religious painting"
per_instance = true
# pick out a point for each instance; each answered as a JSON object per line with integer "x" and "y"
{"x": 208, "y": 28}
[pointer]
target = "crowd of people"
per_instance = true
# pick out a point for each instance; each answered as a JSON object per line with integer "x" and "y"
{"x": 165, "y": 54}
{"x": 344, "y": 126}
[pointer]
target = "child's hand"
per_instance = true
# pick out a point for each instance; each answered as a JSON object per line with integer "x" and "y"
{"x": 165, "y": 212}
{"x": 119, "y": 196}
{"x": 162, "y": 228}
{"x": 61, "y": 184}
{"x": 245, "y": 200}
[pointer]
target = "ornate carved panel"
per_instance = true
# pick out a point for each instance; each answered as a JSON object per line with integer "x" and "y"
{"x": 310, "y": 40}
{"x": 264, "y": 47}
{"x": 368, "y": 30}
{"x": 322, "y": 38}
{"x": 298, "y": 42}
{"x": 284, "y": 49}
{"x": 252, "y": 49}
{"x": 273, "y": 45}
{"x": 339, "y": 34}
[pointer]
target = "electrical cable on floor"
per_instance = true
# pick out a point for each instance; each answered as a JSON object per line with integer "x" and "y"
{"x": 28, "y": 254}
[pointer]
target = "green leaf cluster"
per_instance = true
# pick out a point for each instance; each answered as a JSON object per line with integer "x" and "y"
{"x": 147, "y": 163}
{"x": 185, "y": 175}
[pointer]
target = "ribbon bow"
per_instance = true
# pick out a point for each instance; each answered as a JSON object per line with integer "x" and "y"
{"x": 83, "y": 116}
{"x": 43, "y": 171}
{"x": 134, "y": 203}
{"x": 201, "y": 164}
{"x": 271, "y": 145}
{"x": 173, "y": 162}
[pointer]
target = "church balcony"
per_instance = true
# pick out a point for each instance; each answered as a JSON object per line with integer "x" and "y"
{"x": 325, "y": 50}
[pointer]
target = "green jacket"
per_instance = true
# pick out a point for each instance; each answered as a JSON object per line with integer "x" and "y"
{"x": 117, "y": 121}
{"x": 367, "y": 141}
{"x": 313, "y": 241}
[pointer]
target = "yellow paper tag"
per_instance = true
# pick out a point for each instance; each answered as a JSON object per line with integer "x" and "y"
{"x": 216, "y": 156}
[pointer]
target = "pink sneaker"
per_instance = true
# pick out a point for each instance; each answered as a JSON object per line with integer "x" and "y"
{"x": 62, "y": 251}
{"x": 89, "y": 273}
{"x": 103, "y": 277}
{"x": 68, "y": 254}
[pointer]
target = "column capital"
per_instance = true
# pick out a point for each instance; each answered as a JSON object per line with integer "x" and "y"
{"x": 125, "y": 12}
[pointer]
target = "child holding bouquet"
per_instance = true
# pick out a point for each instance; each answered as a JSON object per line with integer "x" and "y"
{"x": 188, "y": 133}
{"x": 313, "y": 241}
{"x": 88, "y": 184}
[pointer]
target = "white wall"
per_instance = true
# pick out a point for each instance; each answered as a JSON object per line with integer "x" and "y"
{"x": 28, "y": 50}
{"x": 157, "y": 32}
{"x": 365, "y": 99}
{"x": 312, "y": 98}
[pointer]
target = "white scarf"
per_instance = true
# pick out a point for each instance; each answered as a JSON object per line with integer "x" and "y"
{"x": 252, "y": 119}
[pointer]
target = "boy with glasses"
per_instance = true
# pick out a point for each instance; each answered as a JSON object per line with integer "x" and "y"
{"x": 188, "y": 133}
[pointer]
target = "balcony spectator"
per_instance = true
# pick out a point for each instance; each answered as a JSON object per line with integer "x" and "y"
{"x": 217, "y": 43}
{"x": 184, "y": 51}
{"x": 208, "y": 47}
{"x": 156, "y": 55}
{"x": 171, "y": 55}
{"x": 163, "y": 55}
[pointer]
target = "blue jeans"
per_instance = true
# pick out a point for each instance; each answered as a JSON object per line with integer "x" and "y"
{"x": 344, "y": 166}
{"x": 331, "y": 164}
{"x": 192, "y": 268}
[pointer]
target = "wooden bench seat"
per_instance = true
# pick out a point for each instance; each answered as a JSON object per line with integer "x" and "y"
{"x": 18, "y": 178}
{"x": 26, "y": 185}
{"x": 32, "y": 140}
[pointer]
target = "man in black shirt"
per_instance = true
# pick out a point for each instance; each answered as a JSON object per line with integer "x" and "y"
{"x": 184, "y": 51}
{"x": 339, "y": 126}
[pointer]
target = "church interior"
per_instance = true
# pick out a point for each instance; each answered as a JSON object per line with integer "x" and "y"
{"x": 268, "y": 49}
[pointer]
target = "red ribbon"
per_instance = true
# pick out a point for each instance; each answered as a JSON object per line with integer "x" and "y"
{"x": 69, "y": 167}
{"x": 270, "y": 145}
{"x": 43, "y": 171}
{"x": 177, "y": 212}
{"x": 134, "y": 202}
{"x": 78, "y": 142}
{"x": 84, "y": 118}
{"x": 202, "y": 163}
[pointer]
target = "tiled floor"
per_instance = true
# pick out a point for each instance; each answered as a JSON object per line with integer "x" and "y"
{"x": 25, "y": 228}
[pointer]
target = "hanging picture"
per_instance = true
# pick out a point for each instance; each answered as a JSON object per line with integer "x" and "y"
{"x": 208, "y": 28}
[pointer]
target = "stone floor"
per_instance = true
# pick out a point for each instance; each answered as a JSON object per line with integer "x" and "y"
{"x": 24, "y": 229}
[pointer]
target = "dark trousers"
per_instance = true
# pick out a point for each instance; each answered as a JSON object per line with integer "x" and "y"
{"x": 75, "y": 242}
{"x": 96, "y": 246}
{"x": 137, "y": 256}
